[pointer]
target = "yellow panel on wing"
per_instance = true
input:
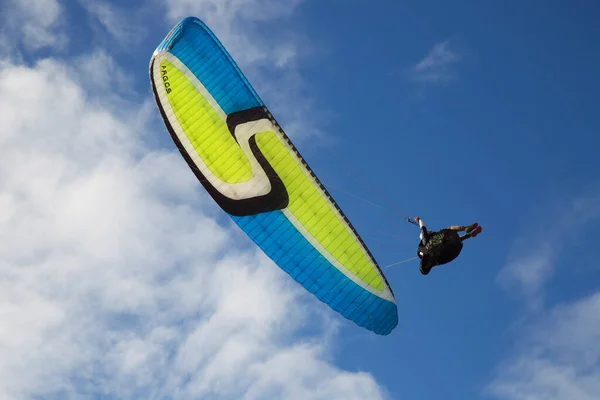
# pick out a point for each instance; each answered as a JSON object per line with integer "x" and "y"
{"x": 316, "y": 213}
{"x": 205, "y": 128}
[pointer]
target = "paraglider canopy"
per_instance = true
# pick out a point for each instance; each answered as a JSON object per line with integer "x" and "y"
{"x": 249, "y": 166}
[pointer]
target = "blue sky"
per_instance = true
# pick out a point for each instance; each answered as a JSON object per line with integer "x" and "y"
{"x": 455, "y": 112}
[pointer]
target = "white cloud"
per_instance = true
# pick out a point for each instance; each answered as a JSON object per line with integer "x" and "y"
{"x": 98, "y": 73}
{"x": 35, "y": 24}
{"x": 121, "y": 23}
{"x": 7, "y": 46}
{"x": 558, "y": 360}
{"x": 532, "y": 262}
{"x": 558, "y": 357}
{"x": 437, "y": 64}
{"x": 115, "y": 279}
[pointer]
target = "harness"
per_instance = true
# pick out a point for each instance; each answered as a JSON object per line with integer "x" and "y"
{"x": 442, "y": 247}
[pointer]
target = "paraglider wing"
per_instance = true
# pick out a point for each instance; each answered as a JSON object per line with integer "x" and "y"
{"x": 251, "y": 169}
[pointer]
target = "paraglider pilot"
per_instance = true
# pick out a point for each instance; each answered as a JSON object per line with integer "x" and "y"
{"x": 441, "y": 247}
